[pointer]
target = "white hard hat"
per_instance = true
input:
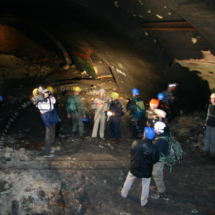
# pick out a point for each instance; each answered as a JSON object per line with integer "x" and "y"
{"x": 45, "y": 91}
{"x": 160, "y": 113}
{"x": 102, "y": 91}
{"x": 159, "y": 126}
{"x": 212, "y": 95}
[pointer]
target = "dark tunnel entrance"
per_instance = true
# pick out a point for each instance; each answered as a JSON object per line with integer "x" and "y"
{"x": 98, "y": 45}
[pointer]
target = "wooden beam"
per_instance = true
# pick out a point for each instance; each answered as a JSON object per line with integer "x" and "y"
{"x": 167, "y": 26}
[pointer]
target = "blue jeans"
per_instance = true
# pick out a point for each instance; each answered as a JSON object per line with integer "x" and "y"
{"x": 115, "y": 130}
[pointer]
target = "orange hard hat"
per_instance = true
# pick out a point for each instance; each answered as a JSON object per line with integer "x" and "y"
{"x": 154, "y": 102}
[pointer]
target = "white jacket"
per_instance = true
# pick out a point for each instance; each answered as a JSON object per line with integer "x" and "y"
{"x": 46, "y": 105}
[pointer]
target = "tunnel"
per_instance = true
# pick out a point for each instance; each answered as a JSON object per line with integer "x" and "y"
{"x": 115, "y": 45}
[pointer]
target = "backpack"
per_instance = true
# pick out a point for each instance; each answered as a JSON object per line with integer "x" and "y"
{"x": 71, "y": 105}
{"x": 140, "y": 109}
{"x": 175, "y": 152}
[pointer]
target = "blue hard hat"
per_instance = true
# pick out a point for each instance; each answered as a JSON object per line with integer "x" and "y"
{"x": 1, "y": 98}
{"x": 149, "y": 133}
{"x": 135, "y": 91}
{"x": 161, "y": 96}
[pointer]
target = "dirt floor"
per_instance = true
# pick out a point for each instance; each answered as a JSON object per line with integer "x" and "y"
{"x": 83, "y": 177}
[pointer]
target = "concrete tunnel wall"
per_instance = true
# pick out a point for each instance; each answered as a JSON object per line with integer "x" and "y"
{"x": 105, "y": 28}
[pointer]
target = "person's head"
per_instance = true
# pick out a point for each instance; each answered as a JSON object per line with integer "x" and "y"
{"x": 76, "y": 90}
{"x": 35, "y": 92}
{"x": 114, "y": 96}
{"x": 172, "y": 87}
{"x": 153, "y": 104}
{"x": 102, "y": 93}
{"x": 212, "y": 98}
{"x": 45, "y": 93}
{"x": 149, "y": 133}
{"x": 51, "y": 89}
{"x": 135, "y": 92}
{"x": 159, "y": 127}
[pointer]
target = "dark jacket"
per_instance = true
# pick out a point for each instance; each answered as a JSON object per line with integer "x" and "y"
{"x": 143, "y": 155}
{"x": 116, "y": 107}
{"x": 131, "y": 105}
{"x": 161, "y": 143}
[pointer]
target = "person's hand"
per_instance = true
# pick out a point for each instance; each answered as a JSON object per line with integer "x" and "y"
{"x": 83, "y": 116}
{"x": 113, "y": 114}
{"x": 68, "y": 116}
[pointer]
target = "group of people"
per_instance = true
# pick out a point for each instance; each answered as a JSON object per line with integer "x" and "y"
{"x": 150, "y": 145}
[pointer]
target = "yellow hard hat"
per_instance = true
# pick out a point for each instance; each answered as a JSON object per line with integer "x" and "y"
{"x": 35, "y": 92}
{"x": 50, "y": 88}
{"x": 114, "y": 95}
{"x": 78, "y": 89}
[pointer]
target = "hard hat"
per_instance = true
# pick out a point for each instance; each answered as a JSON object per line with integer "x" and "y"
{"x": 40, "y": 89}
{"x": 114, "y": 95}
{"x": 154, "y": 102}
{"x": 76, "y": 88}
{"x": 160, "y": 113}
{"x": 159, "y": 126}
{"x": 135, "y": 91}
{"x": 45, "y": 91}
{"x": 50, "y": 88}
{"x": 149, "y": 133}
{"x": 102, "y": 91}
{"x": 35, "y": 92}
{"x": 212, "y": 96}
{"x": 161, "y": 96}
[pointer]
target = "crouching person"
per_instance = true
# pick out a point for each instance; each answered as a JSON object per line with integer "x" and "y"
{"x": 143, "y": 155}
{"x": 50, "y": 119}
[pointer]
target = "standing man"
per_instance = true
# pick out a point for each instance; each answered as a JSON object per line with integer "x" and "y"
{"x": 115, "y": 115}
{"x": 76, "y": 110}
{"x": 209, "y": 140}
{"x": 50, "y": 119}
{"x": 137, "y": 111}
{"x": 100, "y": 104}
{"x": 150, "y": 115}
{"x": 163, "y": 146}
{"x": 143, "y": 155}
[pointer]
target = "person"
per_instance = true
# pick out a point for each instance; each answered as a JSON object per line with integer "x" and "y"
{"x": 209, "y": 139}
{"x": 50, "y": 119}
{"x": 163, "y": 146}
{"x": 37, "y": 95}
{"x": 75, "y": 108}
{"x": 143, "y": 155}
{"x": 100, "y": 104}
{"x": 160, "y": 115}
{"x": 137, "y": 111}
{"x": 115, "y": 114}
{"x": 150, "y": 115}
{"x": 169, "y": 96}
{"x": 57, "y": 126}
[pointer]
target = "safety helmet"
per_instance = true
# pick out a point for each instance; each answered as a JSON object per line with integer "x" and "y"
{"x": 159, "y": 126}
{"x": 135, "y": 91}
{"x": 154, "y": 102}
{"x": 35, "y": 92}
{"x": 50, "y": 88}
{"x": 161, "y": 96}
{"x": 212, "y": 96}
{"x": 160, "y": 113}
{"x": 102, "y": 91}
{"x": 45, "y": 91}
{"x": 149, "y": 133}
{"x": 76, "y": 88}
{"x": 114, "y": 95}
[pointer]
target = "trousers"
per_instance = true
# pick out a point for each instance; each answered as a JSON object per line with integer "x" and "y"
{"x": 49, "y": 138}
{"x": 157, "y": 174}
{"x": 99, "y": 121}
{"x": 209, "y": 140}
{"x": 115, "y": 130}
{"x": 145, "y": 187}
{"x": 77, "y": 123}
